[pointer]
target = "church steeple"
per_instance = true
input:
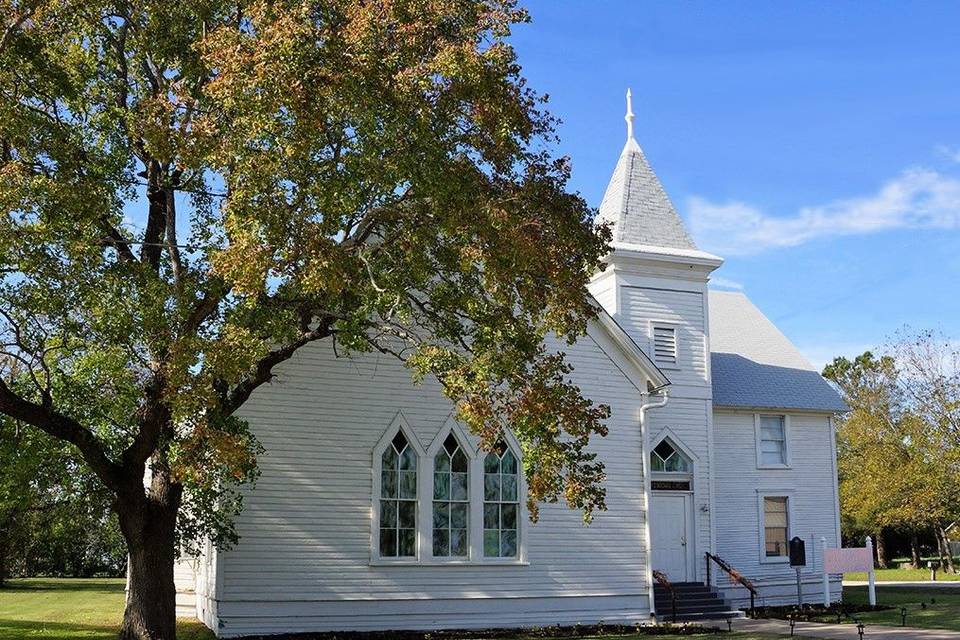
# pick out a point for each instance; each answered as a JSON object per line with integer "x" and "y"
{"x": 635, "y": 203}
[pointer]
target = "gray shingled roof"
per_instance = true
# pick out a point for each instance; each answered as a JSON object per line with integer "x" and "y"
{"x": 754, "y": 365}
{"x": 638, "y": 207}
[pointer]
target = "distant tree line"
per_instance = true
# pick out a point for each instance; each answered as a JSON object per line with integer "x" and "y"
{"x": 899, "y": 446}
{"x": 54, "y": 519}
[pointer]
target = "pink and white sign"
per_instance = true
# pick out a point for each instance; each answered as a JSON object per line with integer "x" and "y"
{"x": 848, "y": 560}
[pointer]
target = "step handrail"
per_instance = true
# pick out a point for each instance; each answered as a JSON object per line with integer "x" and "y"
{"x": 735, "y": 576}
{"x": 664, "y": 582}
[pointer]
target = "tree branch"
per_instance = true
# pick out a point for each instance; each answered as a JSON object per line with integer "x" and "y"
{"x": 60, "y": 426}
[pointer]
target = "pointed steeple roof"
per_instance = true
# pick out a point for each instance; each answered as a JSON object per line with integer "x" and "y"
{"x": 636, "y": 204}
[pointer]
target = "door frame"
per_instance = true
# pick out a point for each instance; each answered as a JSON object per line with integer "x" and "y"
{"x": 690, "y": 532}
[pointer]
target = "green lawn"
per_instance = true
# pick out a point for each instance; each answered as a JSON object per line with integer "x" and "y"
{"x": 904, "y": 575}
{"x": 51, "y": 609}
{"x": 944, "y": 613}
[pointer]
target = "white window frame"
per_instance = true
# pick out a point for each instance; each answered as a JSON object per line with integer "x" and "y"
{"x": 468, "y": 446}
{"x": 399, "y": 423}
{"x": 761, "y": 524}
{"x": 786, "y": 440}
{"x": 672, "y": 326}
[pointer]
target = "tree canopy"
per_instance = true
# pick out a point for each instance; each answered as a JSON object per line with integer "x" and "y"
{"x": 190, "y": 192}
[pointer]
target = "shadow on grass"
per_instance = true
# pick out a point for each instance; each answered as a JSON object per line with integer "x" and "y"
{"x": 54, "y": 630}
{"x": 104, "y": 585}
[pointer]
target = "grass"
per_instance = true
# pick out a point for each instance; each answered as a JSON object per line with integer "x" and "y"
{"x": 90, "y": 609}
{"x": 904, "y": 575}
{"x": 942, "y": 609}
{"x": 74, "y": 609}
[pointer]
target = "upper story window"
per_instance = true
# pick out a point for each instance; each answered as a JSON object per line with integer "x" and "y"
{"x": 664, "y": 344}
{"x": 501, "y": 503}
{"x": 776, "y": 524}
{"x": 451, "y": 500}
{"x": 398, "y": 499}
{"x": 772, "y": 441}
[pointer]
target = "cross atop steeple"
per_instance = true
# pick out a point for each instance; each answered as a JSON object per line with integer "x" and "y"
{"x": 629, "y": 116}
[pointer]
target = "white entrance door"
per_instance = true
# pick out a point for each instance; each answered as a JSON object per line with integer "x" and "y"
{"x": 671, "y": 535}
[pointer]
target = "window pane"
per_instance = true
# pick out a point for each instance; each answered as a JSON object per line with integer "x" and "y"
{"x": 664, "y": 450}
{"x": 776, "y": 521}
{"x": 407, "y": 513}
{"x": 772, "y": 458}
{"x": 441, "y": 515}
{"x": 441, "y": 486}
{"x": 774, "y": 423}
{"x": 509, "y": 488}
{"x": 389, "y": 459}
{"x": 491, "y": 543}
{"x": 458, "y": 542}
{"x": 458, "y": 516}
{"x": 450, "y": 444}
{"x": 491, "y": 464}
{"x": 407, "y": 543}
{"x": 441, "y": 462}
{"x": 408, "y": 460}
{"x": 458, "y": 490}
{"x": 388, "y": 514}
{"x": 508, "y": 544}
{"x": 460, "y": 462}
{"x": 509, "y": 516}
{"x": 408, "y": 484}
{"x": 491, "y": 516}
{"x": 388, "y": 483}
{"x": 388, "y": 542}
{"x": 491, "y": 487}
{"x": 509, "y": 464}
{"x": 441, "y": 542}
{"x": 656, "y": 464}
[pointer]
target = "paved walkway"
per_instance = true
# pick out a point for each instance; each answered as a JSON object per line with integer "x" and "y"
{"x": 840, "y": 631}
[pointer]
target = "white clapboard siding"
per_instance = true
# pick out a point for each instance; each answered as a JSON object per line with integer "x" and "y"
{"x": 809, "y": 484}
{"x": 184, "y": 579}
{"x": 640, "y": 307}
{"x": 303, "y": 560}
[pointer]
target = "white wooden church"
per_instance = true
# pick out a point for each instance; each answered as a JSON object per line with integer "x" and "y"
{"x": 376, "y": 510}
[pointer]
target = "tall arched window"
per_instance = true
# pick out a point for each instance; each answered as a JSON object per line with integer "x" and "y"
{"x": 501, "y": 503}
{"x": 398, "y": 499}
{"x": 451, "y": 500}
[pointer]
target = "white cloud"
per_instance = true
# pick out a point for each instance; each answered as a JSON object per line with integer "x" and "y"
{"x": 916, "y": 199}
{"x": 951, "y": 153}
{"x": 725, "y": 283}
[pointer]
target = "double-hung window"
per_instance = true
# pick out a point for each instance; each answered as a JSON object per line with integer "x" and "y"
{"x": 501, "y": 503}
{"x": 772, "y": 441}
{"x": 776, "y": 526}
{"x": 398, "y": 499}
{"x": 451, "y": 501}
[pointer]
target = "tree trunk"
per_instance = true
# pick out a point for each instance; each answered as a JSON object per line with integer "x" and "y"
{"x": 915, "y": 550}
{"x": 148, "y": 524}
{"x": 943, "y": 543}
{"x": 882, "y": 562}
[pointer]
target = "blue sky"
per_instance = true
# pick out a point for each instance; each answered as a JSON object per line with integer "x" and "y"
{"x": 815, "y": 146}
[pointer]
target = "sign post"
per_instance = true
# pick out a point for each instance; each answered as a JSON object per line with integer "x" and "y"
{"x": 798, "y": 559}
{"x": 871, "y": 576}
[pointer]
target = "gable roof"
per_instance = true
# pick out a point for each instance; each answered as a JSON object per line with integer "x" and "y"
{"x": 638, "y": 208}
{"x": 754, "y": 365}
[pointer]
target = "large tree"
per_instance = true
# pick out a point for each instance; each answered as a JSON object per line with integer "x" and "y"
{"x": 192, "y": 191}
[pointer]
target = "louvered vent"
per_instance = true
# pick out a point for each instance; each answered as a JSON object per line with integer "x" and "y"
{"x": 665, "y": 345}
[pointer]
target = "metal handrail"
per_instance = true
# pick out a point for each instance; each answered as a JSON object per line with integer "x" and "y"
{"x": 662, "y": 580}
{"x": 735, "y": 576}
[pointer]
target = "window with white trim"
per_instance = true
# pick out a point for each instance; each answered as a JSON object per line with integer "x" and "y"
{"x": 664, "y": 344}
{"x": 398, "y": 499}
{"x": 773, "y": 441}
{"x": 776, "y": 525}
{"x": 451, "y": 500}
{"x": 667, "y": 459}
{"x": 501, "y": 503}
